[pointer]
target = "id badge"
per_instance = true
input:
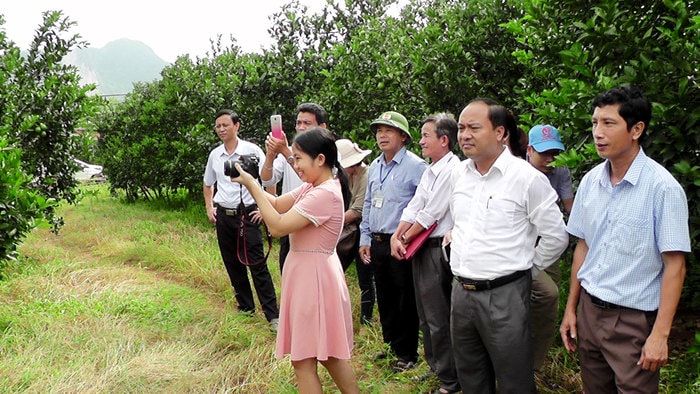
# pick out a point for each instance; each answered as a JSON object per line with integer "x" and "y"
{"x": 378, "y": 199}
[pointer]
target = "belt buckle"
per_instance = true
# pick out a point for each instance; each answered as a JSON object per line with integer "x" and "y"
{"x": 230, "y": 212}
{"x": 466, "y": 286}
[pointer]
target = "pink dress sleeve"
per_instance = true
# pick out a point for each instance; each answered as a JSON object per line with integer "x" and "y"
{"x": 299, "y": 190}
{"x": 316, "y": 205}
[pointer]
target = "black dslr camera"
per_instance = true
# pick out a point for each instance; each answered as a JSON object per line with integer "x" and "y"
{"x": 249, "y": 164}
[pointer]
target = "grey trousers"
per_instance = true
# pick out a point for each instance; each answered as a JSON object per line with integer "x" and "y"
{"x": 432, "y": 279}
{"x": 491, "y": 338}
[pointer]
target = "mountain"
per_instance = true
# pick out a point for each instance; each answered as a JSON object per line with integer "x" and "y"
{"x": 115, "y": 67}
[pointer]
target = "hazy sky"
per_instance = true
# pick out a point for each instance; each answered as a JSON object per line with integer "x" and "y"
{"x": 169, "y": 28}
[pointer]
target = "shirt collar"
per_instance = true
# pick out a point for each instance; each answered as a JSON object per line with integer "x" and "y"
{"x": 635, "y": 170}
{"x": 397, "y": 157}
{"x": 633, "y": 173}
{"x": 223, "y": 150}
{"x": 501, "y": 164}
{"x": 439, "y": 165}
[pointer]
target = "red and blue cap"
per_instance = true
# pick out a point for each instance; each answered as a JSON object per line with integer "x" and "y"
{"x": 545, "y": 137}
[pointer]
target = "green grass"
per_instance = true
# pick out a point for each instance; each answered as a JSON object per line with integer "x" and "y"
{"x": 133, "y": 298}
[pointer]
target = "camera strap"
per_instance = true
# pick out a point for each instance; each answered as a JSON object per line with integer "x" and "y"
{"x": 242, "y": 239}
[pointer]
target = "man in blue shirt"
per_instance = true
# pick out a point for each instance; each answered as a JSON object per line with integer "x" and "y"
{"x": 631, "y": 218}
{"x": 391, "y": 183}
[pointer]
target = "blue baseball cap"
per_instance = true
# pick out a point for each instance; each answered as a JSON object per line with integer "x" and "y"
{"x": 545, "y": 137}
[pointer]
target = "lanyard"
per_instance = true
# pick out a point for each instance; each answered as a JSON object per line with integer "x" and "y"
{"x": 383, "y": 178}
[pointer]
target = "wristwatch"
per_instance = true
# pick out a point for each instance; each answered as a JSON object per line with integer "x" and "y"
{"x": 403, "y": 238}
{"x": 290, "y": 159}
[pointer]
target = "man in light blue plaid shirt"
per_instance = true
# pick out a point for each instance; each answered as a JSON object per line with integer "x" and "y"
{"x": 631, "y": 218}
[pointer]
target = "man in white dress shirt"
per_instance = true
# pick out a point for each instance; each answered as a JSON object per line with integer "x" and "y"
{"x": 230, "y": 206}
{"x": 500, "y": 205}
{"x": 432, "y": 277}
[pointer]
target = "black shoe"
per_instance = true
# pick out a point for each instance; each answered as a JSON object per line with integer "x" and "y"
{"x": 380, "y": 356}
{"x": 402, "y": 365}
{"x": 424, "y": 377}
{"x": 275, "y": 324}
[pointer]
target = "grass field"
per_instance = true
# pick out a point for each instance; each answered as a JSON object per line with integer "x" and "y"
{"x": 133, "y": 298}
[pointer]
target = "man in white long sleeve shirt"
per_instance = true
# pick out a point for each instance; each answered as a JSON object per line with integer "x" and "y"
{"x": 500, "y": 206}
{"x": 432, "y": 277}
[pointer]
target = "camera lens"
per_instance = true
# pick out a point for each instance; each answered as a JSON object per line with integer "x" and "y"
{"x": 230, "y": 169}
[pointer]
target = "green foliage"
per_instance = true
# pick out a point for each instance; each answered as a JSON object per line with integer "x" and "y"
{"x": 20, "y": 206}
{"x": 50, "y": 102}
{"x": 158, "y": 139}
{"x": 370, "y": 80}
{"x": 86, "y": 146}
{"x": 41, "y": 103}
{"x": 424, "y": 61}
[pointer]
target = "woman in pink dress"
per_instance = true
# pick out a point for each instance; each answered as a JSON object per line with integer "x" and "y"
{"x": 315, "y": 315}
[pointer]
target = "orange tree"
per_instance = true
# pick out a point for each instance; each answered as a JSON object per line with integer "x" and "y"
{"x": 41, "y": 103}
{"x": 434, "y": 56}
{"x": 156, "y": 142}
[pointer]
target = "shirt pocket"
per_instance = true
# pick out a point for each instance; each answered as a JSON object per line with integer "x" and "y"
{"x": 500, "y": 214}
{"x": 629, "y": 235}
{"x": 402, "y": 193}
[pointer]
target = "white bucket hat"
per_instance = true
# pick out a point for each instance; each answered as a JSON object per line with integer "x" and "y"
{"x": 350, "y": 153}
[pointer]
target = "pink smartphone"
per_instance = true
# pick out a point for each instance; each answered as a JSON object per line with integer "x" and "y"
{"x": 276, "y": 126}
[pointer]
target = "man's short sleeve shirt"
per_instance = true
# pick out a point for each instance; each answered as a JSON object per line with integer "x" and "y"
{"x": 626, "y": 228}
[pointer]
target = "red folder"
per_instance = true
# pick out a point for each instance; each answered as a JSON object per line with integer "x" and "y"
{"x": 418, "y": 241}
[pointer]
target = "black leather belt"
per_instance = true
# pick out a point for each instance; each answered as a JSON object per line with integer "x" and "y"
{"x": 603, "y": 304}
{"x": 434, "y": 242}
{"x": 381, "y": 237}
{"x": 597, "y": 302}
{"x": 236, "y": 212}
{"x": 479, "y": 285}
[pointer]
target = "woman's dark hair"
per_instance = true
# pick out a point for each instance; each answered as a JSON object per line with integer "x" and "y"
{"x": 518, "y": 143}
{"x": 316, "y": 141}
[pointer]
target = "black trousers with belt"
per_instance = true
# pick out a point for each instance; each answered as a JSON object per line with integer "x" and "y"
{"x": 227, "y": 232}
{"x": 396, "y": 300}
